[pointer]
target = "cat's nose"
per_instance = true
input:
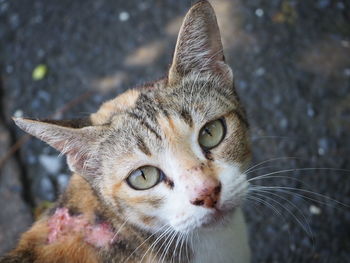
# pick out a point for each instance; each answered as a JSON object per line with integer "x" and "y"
{"x": 208, "y": 197}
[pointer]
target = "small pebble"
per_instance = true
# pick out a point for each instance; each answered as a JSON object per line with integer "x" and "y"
{"x": 347, "y": 72}
{"x": 62, "y": 180}
{"x": 35, "y": 104}
{"x": 310, "y": 111}
{"x": 44, "y": 95}
{"x": 292, "y": 247}
{"x": 285, "y": 227}
{"x": 52, "y": 164}
{"x": 315, "y": 210}
{"x": 18, "y": 114}
{"x": 124, "y": 16}
{"x": 143, "y": 6}
{"x": 47, "y": 188}
{"x": 9, "y": 69}
{"x": 256, "y": 49}
{"x": 3, "y": 7}
{"x": 16, "y": 188}
{"x": 47, "y": 150}
{"x": 37, "y": 19}
{"x": 321, "y": 151}
{"x": 323, "y": 3}
{"x": 31, "y": 159}
{"x": 40, "y": 53}
{"x": 242, "y": 84}
{"x": 277, "y": 99}
{"x": 248, "y": 27}
{"x": 283, "y": 123}
{"x": 14, "y": 21}
{"x": 305, "y": 242}
{"x": 345, "y": 43}
{"x": 260, "y": 72}
{"x": 259, "y": 12}
{"x": 323, "y": 146}
{"x": 340, "y": 5}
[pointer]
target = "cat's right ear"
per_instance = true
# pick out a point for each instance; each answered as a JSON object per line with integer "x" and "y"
{"x": 198, "y": 47}
{"x": 76, "y": 139}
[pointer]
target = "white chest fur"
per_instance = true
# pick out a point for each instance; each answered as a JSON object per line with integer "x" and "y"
{"x": 223, "y": 244}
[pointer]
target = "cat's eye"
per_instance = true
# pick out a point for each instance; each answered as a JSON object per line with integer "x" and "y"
{"x": 144, "y": 178}
{"x": 211, "y": 134}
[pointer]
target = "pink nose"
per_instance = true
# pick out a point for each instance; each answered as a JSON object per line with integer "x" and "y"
{"x": 208, "y": 197}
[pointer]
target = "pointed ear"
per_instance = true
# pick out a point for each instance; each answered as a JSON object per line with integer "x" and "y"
{"x": 198, "y": 47}
{"x": 72, "y": 138}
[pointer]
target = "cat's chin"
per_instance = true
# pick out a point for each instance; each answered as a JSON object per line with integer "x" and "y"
{"x": 210, "y": 221}
{"x": 219, "y": 217}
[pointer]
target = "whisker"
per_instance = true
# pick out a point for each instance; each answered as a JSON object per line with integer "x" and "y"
{"x": 283, "y": 177}
{"x": 302, "y": 190}
{"x": 120, "y": 228}
{"x": 261, "y": 168}
{"x": 192, "y": 234}
{"x": 166, "y": 248}
{"x": 262, "y": 201}
{"x": 308, "y": 230}
{"x": 299, "y": 169}
{"x": 144, "y": 243}
{"x": 186, "y": 247}
{"x": 177, "y": 243}
{"x": 158, "y": 239}
{"x": 167, "y": 236}
{"x": 170, "y": 244}
{"x": 270, "y": 160}
{"x": 181, "y": 245}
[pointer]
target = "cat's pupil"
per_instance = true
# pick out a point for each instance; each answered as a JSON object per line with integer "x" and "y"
{"x": 208, "y": 131}
{"x": 143, "y": 175}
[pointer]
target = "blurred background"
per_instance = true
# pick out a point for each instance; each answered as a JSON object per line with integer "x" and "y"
{"x": 291, "y": 62}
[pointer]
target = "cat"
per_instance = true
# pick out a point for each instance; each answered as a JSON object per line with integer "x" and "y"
{"x": 158, "y": 172}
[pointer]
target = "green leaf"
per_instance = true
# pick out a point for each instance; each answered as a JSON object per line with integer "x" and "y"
{"x": 39, "y": 72}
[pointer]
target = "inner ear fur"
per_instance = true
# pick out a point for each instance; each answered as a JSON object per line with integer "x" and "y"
{"x": 71, "y": 123}
{"x": 77, "y": 139}
{"x": 198, "y": 47}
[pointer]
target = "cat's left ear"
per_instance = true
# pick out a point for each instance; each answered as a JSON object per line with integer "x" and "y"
{"x": 76, "y": 139}
{"x": 199, "y": 48}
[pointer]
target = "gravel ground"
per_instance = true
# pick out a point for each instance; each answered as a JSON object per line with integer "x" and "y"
{"x": 291, "y": 61}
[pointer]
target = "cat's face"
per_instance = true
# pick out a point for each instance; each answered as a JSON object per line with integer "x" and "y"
{"x": 172, "y": 153}
{"x": 190, "y": 141}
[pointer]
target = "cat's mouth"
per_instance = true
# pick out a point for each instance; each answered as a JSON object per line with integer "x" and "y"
{"x": 206, "y": 221}
{"x": 217, "y": 217}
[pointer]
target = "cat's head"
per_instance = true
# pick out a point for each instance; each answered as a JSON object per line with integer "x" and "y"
{"x": 170, "y": 153}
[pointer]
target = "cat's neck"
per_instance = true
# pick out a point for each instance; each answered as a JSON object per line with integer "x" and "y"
{"x": 81, "y": 229}
{"x": 223, "y": 243}
{"x": 80, "y": 199}
{"x": 121, "y": 242}
{"x": 118, "y": 240}
{"x": 114, "y": 237}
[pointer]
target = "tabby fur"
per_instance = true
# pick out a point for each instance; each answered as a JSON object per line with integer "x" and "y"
{"x": 100, "y": 218}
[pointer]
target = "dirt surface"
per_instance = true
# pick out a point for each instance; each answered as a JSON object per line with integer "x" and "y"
{"x": 291, "y": 62}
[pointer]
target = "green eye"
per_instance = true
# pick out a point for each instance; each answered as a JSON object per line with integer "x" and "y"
{"x": 144, "y": 178}
{"x": 211, "y": 134}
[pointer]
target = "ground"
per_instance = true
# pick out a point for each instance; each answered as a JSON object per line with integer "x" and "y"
{"x": 291, "y": 62}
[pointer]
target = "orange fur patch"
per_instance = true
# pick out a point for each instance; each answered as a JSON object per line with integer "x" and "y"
{"x": 170, "y": 129}
{"x": 109, "y": 108}
{"x": 71, "y": 250}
